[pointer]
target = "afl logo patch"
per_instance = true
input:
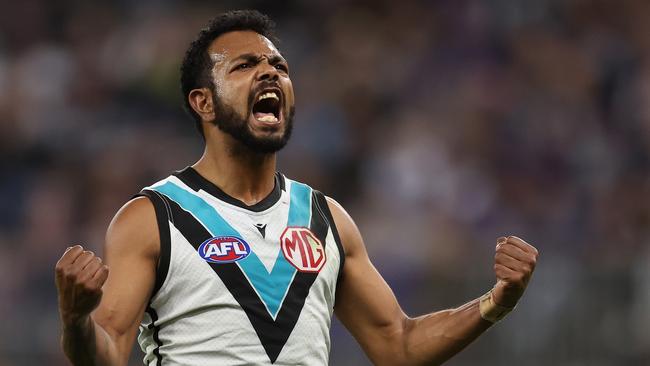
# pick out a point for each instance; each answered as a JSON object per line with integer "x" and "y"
{"x": 302, "y": 249}
{"x": 224, "y": 249}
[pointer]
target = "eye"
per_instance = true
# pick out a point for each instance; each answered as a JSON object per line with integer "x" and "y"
{"x": 282, "y": 67}
{"x": 243, "y": 66}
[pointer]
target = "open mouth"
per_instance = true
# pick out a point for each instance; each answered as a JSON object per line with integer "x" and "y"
{"x": 267, "y": 106}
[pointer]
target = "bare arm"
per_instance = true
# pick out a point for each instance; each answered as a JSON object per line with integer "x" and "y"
{"x": 368, "y": 308}
{"x": 100, "y": 309}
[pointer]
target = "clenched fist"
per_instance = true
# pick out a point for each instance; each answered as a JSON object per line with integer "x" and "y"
{"x": 80, "y": 276}
{"x": 514, "y": 263}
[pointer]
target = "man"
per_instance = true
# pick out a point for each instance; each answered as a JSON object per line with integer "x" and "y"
{"x": 229, "y": 263}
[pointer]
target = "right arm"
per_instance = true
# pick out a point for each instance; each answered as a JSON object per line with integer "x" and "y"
{"x": 100, "y": 309}
{"x": 367, "y": 307}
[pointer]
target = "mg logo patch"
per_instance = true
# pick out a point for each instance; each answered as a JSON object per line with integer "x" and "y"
{"x": 302, "y": 249}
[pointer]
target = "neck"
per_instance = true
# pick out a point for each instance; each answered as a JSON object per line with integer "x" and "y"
{"x": 241, "y": 173}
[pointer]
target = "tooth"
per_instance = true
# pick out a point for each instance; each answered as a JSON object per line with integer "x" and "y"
{"x": 268, "y": 95}
{"x": 268, "y": 119}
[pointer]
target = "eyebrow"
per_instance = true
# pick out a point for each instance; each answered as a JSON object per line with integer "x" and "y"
{"x": 254, "y": 58}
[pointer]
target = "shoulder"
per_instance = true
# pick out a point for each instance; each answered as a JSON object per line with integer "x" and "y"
{"x": 142, "y": 222}
{"x": 135, "y": 228}
{"x": 131, "y": 251}
{"x": 348, "y": 231}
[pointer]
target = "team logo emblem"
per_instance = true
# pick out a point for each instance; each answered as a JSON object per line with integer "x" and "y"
{"x": 224, "y": 249}
{"x": 302, "y": 249}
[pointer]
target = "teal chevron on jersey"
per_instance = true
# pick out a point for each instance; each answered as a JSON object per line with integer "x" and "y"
{"x": 270, "y": 287}
{"x": 199, "y": 208}
{"x": 300, "y": 205}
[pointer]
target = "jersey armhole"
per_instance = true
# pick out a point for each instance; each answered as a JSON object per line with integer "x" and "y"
{"x": 322, "y": 203}
{"x": 163, "y": 215}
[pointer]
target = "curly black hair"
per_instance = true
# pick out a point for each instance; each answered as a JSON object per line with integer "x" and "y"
{"x": 196, "y": 66}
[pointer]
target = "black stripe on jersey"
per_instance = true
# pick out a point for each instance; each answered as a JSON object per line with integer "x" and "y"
{"x": 196, "y": 181}
{"x": 325, "y": 210}
{"x": 273, "y": 334}
{"x": 163, "y": 213}
{"x": 156, "y": 338}
{"x": 281, "y": 179}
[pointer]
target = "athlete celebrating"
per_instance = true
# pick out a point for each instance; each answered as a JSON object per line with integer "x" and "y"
{"x": 228, "y": 262}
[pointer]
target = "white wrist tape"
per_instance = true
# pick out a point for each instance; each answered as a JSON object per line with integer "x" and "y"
{"x": 490, "y": 310}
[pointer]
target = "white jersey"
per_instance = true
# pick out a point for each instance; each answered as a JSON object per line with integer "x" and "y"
{"x": 237, "y": 284}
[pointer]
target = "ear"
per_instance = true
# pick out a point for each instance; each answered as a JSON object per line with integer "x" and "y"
{"x": 201, "y": 102}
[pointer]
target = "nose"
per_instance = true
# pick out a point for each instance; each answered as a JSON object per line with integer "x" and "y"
{"x": 267, "y": 72}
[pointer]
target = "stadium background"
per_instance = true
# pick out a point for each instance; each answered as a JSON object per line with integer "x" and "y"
{"x": 440, "y": 125}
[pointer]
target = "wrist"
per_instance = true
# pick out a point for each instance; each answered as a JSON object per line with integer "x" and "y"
{"x": 490, "y": 310}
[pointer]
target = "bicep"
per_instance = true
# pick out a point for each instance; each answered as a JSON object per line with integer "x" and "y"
{"x": 365, "y": 303}
{"x": 131, "y": 255}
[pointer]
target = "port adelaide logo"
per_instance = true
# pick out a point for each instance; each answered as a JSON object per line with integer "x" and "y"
{"x": 302, "y": 249}
{"x": 224, "y": 249}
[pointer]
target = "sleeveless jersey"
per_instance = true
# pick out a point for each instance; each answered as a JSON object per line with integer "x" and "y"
{"x": 237, "y": 284}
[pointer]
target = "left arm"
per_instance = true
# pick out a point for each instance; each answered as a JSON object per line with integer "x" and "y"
{"x": 368, "y": 308}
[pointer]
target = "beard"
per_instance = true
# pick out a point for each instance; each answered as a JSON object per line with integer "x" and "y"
{"x": 236, "y": 125}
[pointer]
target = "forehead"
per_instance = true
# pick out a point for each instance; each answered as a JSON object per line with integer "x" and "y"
{"x": 233, "y": 44}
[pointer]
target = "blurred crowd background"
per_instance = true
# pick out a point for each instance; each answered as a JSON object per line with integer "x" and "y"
{"x": 440, "y": 125}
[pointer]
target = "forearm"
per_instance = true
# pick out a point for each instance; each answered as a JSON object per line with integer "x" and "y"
{"x": 434, "y": 338}
{"x": 84, "y": 342}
